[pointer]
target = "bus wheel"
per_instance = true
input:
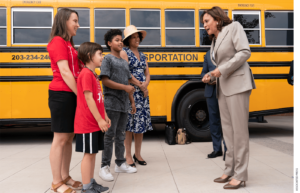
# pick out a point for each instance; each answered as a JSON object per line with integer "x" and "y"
{"x": 192, "y": 114}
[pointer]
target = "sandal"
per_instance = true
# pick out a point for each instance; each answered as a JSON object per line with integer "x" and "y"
{"x": 54, "y": 188}
{"x": 75, "y": 186}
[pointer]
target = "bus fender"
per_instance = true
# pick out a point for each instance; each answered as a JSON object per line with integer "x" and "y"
{"x": 185, "y": 88}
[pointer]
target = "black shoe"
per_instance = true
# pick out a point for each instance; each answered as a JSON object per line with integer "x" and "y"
{"x": 143, "y": 163}
{"x": 132, "y": 165}
{"x": 99, "y": 187}
{"x": 215, "y": 154}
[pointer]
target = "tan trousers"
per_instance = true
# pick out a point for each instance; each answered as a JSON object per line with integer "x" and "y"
{"x": 234, "y": 111}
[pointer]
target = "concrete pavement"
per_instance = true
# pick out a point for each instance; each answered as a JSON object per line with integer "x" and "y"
{"x": 25, "y": 167}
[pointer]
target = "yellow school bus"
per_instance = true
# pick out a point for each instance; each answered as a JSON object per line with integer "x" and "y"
{"x": 175, "y": 46}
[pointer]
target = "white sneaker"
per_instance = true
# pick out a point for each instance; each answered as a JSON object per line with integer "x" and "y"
{"x": 105, "y": 174}
{"x": 125, "y": 168}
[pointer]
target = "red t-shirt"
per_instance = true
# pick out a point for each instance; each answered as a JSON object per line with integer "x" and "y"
{"x": 84, "y": 119}
{"x": 59, "y": 49}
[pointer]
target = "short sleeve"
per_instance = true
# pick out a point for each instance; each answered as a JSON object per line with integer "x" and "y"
{"x": 58, "y": 49}
{"x": 105, "y": 68}
{"x": 125, "y": 49}
{"x": 143, "y": 56}
{"x": 129, "y": 74}
{"x": 87, "y": 82}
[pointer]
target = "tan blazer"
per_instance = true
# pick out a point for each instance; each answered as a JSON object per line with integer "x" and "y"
{"x": 231, "y": 54}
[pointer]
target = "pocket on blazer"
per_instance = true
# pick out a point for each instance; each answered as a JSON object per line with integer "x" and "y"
{"x": 238, "y": 72}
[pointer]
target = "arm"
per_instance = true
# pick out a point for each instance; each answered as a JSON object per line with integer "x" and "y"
{"x": 145, "y": 84}
{"x": 133, "y": 111}
{"x": 141, "y": 85}
{"x": 147, "y": 74}
{"x": 117, "y": 86}
{"x": 243, "y": 53}
{"x": 206, "y": 75}
{"x": 133, "y": 80}
{"x": 107, "y": 119}
{"x": 93, "y": 108}
{"x": 205, "y": 66}
{"x": 67, "y": 75}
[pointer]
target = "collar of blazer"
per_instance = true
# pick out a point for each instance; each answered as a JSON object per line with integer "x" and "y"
{"x": 221, "y": 36}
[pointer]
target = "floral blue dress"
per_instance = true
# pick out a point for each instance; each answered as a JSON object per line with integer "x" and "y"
{"x": 140, "y": 122}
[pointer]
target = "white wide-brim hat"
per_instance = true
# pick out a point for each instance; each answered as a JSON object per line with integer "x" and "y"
{"x": 131, "y": 29}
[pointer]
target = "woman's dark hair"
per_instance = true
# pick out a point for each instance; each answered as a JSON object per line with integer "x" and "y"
{"x": 219, "y": 15}
{"x": 87, "y": 50}
{"x": 59, "y": 27}
{"x": 126, "y": 41}
{"x": 110, "y": 34}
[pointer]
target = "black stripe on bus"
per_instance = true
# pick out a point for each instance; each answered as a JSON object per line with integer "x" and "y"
{"x": 200, "y": 64}
{"x": 25, "y": 65}
{"x": 151, "y": 64}
{"x": 25, "y": 78}
{"x": 198, "y": 77}
{"x": 154, "y": 119}
{"x": 156, "y": 49}
{"x": 271, "y": 112}
{"x": 153, "y": 77}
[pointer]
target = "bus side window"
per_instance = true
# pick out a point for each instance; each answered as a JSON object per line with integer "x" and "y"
{"x": 148, "y": 20}
{"x": 83, "y": 32}
{"x": 250, "y": 20}
{"x": 106, "y": 19}
{"x": 180, "y": 27}
{"x": 204, "y": 38}
{"x": 279, "y": 28}
{"x": 2, "y": 26}
{"x": 31, "y": 25}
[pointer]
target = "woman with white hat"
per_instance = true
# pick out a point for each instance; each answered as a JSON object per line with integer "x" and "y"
{"x": 140, "y": 122}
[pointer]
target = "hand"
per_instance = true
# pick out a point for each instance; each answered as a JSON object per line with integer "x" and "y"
{"x": 129, "y": 89}
{"x": 145, "y": 93}
{"x": 103, "y": 125}
{"x": 206, "y": 78}
{"x": 108, "y": 121}
{"x": 133, "y": 109}
{"x": 143, "y": 86}
{"x": 216, "y": 73}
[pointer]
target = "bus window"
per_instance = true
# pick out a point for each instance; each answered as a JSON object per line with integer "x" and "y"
{"x": 279, "y": 28}
{"x": 204, "y": 38}
{"x": 106, "y": 19}
{"x": 250, "y": 20}
{"x": 180, "y": 27}
{"x": 148, "y": 20}
{"x": 2, "y": 26}
{"x": 83, "y": 33}
{"x": 31, "y": 25}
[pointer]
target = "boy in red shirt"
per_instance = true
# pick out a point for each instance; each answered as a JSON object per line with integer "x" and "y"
{"x": 91, "y": 119}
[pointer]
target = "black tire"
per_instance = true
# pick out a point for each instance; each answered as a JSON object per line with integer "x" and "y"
{"x": 192, "y": 114}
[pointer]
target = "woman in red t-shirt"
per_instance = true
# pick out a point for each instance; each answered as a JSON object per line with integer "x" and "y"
{"x": 62, "y": 97}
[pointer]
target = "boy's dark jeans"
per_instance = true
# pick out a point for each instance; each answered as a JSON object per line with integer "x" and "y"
{"x": 115, "y": 132}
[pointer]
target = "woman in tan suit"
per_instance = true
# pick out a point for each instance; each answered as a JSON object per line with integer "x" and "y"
{"x": 229, "y": 52}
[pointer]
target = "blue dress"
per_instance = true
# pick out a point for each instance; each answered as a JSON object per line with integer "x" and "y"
{"x": 140, "y": 122}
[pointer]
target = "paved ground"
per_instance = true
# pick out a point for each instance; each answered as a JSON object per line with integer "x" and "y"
{"x": 24, "y": 162}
